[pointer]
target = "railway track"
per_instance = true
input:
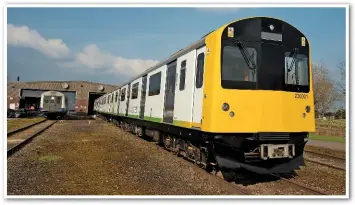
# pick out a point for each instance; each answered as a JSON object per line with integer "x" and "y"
{"x": 326, "y": 165}
{"x": 16, "y": 140}
{"x": 325, "y": 156}
{"x": 9, "y": 134}
{"x": 302, "y": 185}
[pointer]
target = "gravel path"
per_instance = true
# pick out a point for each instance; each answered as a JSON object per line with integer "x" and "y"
{"x": 76, "y": 157}
{"x": 330, "y": 145}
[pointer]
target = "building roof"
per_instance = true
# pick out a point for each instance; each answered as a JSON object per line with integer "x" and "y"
{"x": 81, "y": 87}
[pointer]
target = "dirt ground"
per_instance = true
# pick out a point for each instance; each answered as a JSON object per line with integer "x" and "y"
{"x": 82, "y": 157}
{"x": 16, "y": 123}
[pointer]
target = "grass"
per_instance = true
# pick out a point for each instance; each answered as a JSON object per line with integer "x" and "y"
{"x": 17, "y": 123}
{"x": 326, "y": 138}
{"x": 49, "y": 158}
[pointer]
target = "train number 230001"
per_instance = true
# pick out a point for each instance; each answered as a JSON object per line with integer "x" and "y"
{"x": 301, "y": 96}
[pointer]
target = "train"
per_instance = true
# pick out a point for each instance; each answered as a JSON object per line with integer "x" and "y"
{"x": 238, "y": 99}
{"x": 53, "y": 104}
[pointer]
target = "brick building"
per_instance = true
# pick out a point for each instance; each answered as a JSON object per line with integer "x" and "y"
{"x": 80, "y": 94}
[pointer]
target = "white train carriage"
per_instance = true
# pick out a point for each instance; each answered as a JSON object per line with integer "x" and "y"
{"x": 53, "y": 104}
{"x": 108, "y": 103}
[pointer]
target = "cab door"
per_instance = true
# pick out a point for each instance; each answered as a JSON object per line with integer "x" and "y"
{"x": 198, "y": 88}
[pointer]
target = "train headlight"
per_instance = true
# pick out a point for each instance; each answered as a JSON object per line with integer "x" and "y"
{"x": 231, "y": 114}
{"x": 308, "y": 108}
{"x": 225, "y": 107}
{"x": 52, "y": 98}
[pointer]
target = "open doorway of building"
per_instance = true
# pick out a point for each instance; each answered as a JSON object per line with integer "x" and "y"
{"x": 92, "y": 98}
{"x": 30, "y": 103}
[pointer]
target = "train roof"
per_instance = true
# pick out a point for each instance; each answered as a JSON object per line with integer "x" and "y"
{"x": 52, "y": 93}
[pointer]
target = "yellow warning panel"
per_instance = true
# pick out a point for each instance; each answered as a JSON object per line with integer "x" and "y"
{"x": 230, "y": 32}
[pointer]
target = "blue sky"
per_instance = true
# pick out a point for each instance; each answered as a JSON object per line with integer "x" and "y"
{"x": 110, "y": 45}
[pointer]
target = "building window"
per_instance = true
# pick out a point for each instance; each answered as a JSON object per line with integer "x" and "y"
{"x": 154, "y": 84}
{"x": 123, "y": 94}
{"x": 135, "y": 90}
{"x": 199, "y": 70}
{"x": 182, "y": 75}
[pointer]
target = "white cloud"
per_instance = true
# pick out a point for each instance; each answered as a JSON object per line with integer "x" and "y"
{"x": 92, "y": 57}
{"x": 24, "y": 36}
{"x": 219, "y": 9}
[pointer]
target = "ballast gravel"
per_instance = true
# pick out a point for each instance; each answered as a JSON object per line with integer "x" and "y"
{"x": 92, "y": 157}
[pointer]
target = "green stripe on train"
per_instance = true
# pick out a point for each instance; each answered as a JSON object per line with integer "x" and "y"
{"x": 132, "y": 116}
{"x": 153, "y": 119}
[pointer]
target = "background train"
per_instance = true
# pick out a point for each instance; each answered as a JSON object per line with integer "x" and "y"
{"x": 53, "y": 104}
{"x": 240, "y": 98}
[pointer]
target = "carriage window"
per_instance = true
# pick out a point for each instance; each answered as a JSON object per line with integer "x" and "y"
{"x": 112, "y": 96}
{"x": 123, "y": 94}
{"x": 235, "y": 67}
{"x": 58, "y": 100}
{"x": 154, "y": 84}
{"x": 135, "y": 90}
{"x": 116, "y": 99}
{"x": 46, "y": 101}
{"x": 199, "y": 70}
{"x": 182, "y": 75}
{"x": 296, "y": 73}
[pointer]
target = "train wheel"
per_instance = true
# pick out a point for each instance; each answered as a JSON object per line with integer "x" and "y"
{"x": 229, "y": 175}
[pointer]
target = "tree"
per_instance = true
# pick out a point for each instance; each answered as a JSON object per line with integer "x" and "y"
{"x": 325, "y": 93}
{"x": 340, "y": 114}
{"x": 342, "y": 82}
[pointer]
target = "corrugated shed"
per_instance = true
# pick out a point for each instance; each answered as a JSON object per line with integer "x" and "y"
{"x": 82, "y": 88}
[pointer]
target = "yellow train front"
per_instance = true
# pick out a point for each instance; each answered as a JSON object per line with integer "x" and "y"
{"x": 258, "y": 97}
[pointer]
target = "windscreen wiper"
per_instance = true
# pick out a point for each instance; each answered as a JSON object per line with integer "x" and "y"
{"x": 293, "y": 55}
{"x": 246, "y": 55}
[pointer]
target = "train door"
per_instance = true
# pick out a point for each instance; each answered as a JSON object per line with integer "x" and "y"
{"x": 58, "y": 103}
{"x": 198, "y": 92}
{"x": 117, "y": 100}
{"x": 52, "y": 103}
{"x": 46, "y": 105}
{"x": 168, "y": 115}
{"x": 128, "y": 97}
{"x": 143, "y": 96}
